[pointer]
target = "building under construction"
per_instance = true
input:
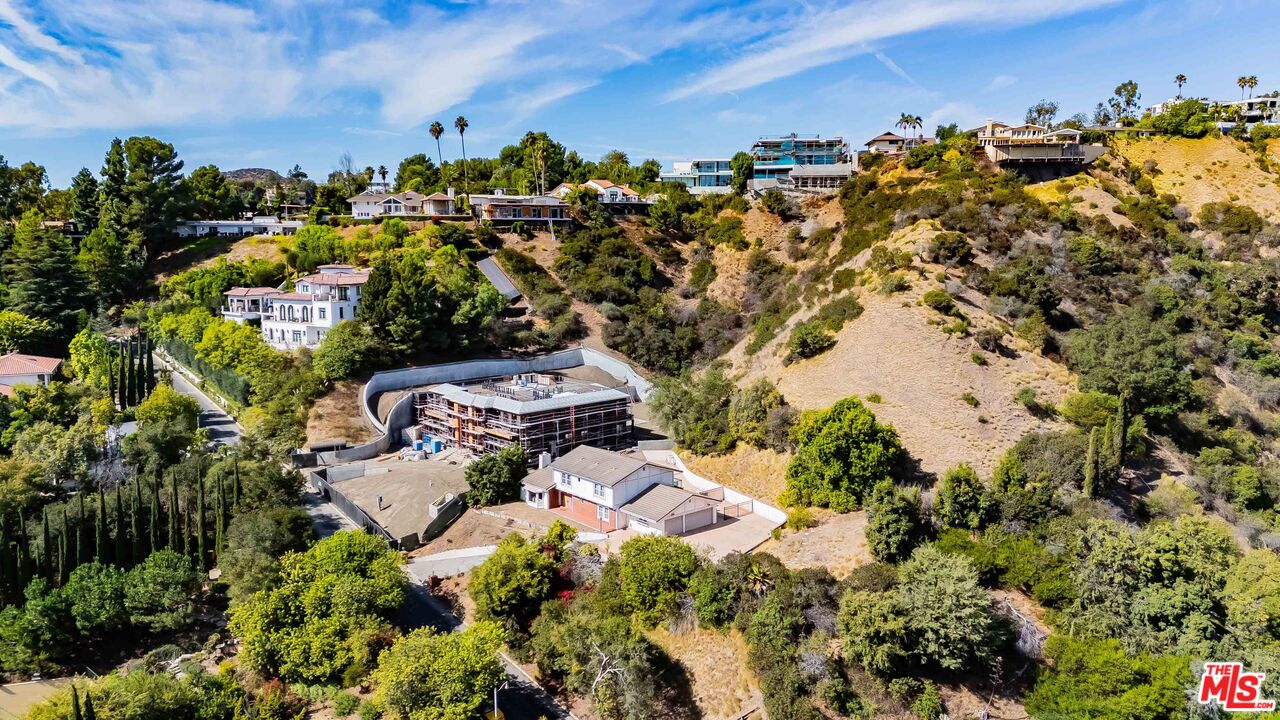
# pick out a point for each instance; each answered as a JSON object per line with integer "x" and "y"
{"x": 539, "y": 412}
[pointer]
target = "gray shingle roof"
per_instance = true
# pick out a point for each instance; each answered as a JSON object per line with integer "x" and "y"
{"x": 540, "y": 479}
{"x": 657, "y": 502}
{"x": 462, "y": 396}
{"x": 601, "y": 466}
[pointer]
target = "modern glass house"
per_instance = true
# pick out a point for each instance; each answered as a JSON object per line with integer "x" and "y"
{"x": 776, "y": 156}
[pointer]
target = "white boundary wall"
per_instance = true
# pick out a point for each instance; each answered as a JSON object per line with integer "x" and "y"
{"x": 702, "y": 485}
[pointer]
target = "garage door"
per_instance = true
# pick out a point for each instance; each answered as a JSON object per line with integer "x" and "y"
{"x": 692, "y": 521}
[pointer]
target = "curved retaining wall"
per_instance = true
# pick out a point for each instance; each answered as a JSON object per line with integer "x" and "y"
{"x": 401, "y": 415}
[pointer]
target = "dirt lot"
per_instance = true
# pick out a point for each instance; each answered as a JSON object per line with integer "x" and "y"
{"x": 716, "y": 662}
{"x": 472, "y": 529}
{"x": 1208, "y": 170}
{"x": 838, "y": 543}
{"x": 758, "y": 473}
{"x": 339, "y": 415}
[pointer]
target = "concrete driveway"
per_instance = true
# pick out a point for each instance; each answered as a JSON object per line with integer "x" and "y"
{"x": 450, "y": 562}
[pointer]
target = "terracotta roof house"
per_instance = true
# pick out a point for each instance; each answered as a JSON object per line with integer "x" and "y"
{"x": 21, "y": 369}
{"x": 610, "y": 491}
{"x": 607, "y": 190}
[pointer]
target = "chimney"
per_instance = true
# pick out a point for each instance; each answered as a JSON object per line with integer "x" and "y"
{"x": 990, "y": 122}
{"x": 544, "y": 459}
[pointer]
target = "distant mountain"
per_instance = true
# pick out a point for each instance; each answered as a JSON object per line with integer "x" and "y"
{"x": 261, "y": 176}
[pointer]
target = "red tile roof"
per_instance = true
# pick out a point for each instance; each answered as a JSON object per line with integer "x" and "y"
{"x": 19, "y": 364}
{"x": 324, "y": 278}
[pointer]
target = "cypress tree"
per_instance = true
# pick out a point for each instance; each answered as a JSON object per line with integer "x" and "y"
{"x": 135, "y": 523}
{"x": 201, "y": 522}
{"x": 1122, "y": 429}
{"x": 154, "y": 517}
{"x": 122, "y": 384}
{"x": 25, "y": 571}
{"x": 151, "y": 366}
{"x": 1091, "y": 465}
{"x": 174, "y": 540}
{"x": 220, "y": 519}
{"x": 75, "y": 705}
{"x": 100, "y": 529}
{"x": 131, "y": 375}
{"x": 81, "y": 552}
{"x": 235, "y": 481}
{"x": 46, "y": 549}
{"x": 122, "y": 538}
{"x": 60, "y": 562}
{"x": 89, "y": 714}
{"x": 8, "y": 573}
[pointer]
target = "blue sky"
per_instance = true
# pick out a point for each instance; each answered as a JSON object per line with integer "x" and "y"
{"x": 274, "y": 83}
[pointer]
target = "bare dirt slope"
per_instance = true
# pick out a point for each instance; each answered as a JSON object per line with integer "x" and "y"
{"x": 921, "y": 374}
{"x": 758, "y": 473}
{"x": 716, "y": 662}
{"x": 1208, "y": 170}
{"x": 339, "y": 415}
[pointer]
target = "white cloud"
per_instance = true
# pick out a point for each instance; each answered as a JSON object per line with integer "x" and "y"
{"x": 1000, "y": 82}
{"x": 821, "y": 37}
{"x": 963, "y": 114}
{"x": 893, "y": 66}
{"x": 734, "y": 116}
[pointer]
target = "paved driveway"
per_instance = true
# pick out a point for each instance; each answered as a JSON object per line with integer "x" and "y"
{"x": 223, "y": 429}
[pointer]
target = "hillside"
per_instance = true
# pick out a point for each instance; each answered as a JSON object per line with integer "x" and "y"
{"x": 1208, "y": 170}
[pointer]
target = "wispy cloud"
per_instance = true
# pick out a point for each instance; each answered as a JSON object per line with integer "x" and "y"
{"x": 893, "y": 66}
{"x": 821, "y": 37}
{"x": 1000, "y": 82}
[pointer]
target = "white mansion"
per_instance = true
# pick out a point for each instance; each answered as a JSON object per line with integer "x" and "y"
{"x": 300, "y": 318}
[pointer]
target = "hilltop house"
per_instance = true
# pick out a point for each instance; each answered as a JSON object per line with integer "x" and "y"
{"x": 369, "y": 204}
{"x": 501, "y": 208}
{"x": 19, "y": 369}
{"x": 607, "y": 191}
{"x": 610, "y": 491}
{"x": 257, "y": 225}
{"x": 774, "y": 157}
{"x": 1031, "y": 143}
{"x": 892, "y": 144}
{"x": 300, "y": 318}
{"x": 702, "y": 176}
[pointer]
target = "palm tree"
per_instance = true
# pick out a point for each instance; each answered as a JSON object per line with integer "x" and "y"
{"x": 1243, "y": 82}
{"x": 382, "y": 173}
{"x": 461, "y": 124}
{"x": 1252, "y": 82}
{"x": 904, "y": 122}
{"x": 1180, "y": 80}
{"x": 436, "y": 131}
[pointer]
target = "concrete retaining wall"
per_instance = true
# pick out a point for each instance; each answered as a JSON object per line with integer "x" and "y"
{"x": 401, "y": 414}
{"x": 731, "y": 496}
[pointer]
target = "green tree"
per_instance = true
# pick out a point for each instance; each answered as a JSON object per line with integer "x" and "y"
{"x": 963, "y": 501}
{"x": 1096, "y": 678}
{"x": 112, "y": 198}
{"x": 96, "y": 592}
{"x": 110, "y": 266}
{"x": 153, "y": 192}
{"x": 344, "y": 351}
{"x": 19, "y": 333}
{"x": 254, "y": 543}
{"x": 84, "y": 200}
{"x": 44, "y": 281}
{"x": 894, "y": 525}
{"x": 743, "y": 167}
{"x": 429, "y": 675}
{"x": 417, "y": 173}
{"x": 160, "y": 592}
{"x": 495, "y": 478}
{"x": 208, "y": 195}
{"x": 696, "y": 409}
{"x": 842, "y": 453}
{"x": 328, "y": 613}
{"x": 948, "y": 613}
{"x": 1129, "y": 355}
{"x": 511, "y": 584}
{"x": 167, "y": 405}
{"x": 37, "y": 634}
{"x": 654, "y": 570}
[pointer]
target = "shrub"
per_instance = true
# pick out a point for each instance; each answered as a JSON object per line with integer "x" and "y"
{"x": 809, "y": 339}
{"x": 969, "y": 398}
{"x": 978, "y": 358}
{"x": 842, "y": 453}
{"x": 1230, "y": 219}
{"x": 989, "y": 338}
{"x": 653, "y": 571}
{"x": 894, "y": 525}
{"x": 800, "y": 518}
{"x": 963, "y": 501}
{"x": 949, "y": 248}
{"x": 777, "y": 203}
{"x": 939, "y": 300}
{"x": 344, "y": 703}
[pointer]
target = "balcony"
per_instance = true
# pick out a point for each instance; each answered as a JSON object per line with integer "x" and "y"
{"x": 242, "y": 310}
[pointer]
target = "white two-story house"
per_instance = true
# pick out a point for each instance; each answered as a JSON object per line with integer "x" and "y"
{"x": 300, "y": 318}
{"x": 610, "y": 491}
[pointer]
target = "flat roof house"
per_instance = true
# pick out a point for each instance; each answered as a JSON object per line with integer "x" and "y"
{"x": 776, "y": 156}
{"x": 701, "y": 176}
{"x": 300, "y": 318}
{"x": 21, "y": 369}
{"x": 257, "y": 225}
{"x": 893, "y": 144}
{"x": 611, "y": 491}
{"x": 541, "y": 412}
{"x": 502, "y": 208}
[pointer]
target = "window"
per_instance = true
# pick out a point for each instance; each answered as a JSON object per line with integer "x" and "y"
{"x": 341, "y": 313}
{"x": 342, "y": 293}
{"x": 602, "y": 513}
{"x": 321, "y": 313}
{"x": 597, "y": 490}
{"x": 297, "y": 336}
{"x": 564, "y": 479}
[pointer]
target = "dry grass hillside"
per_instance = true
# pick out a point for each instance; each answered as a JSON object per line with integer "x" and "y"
{"x": 1208, "y": 170}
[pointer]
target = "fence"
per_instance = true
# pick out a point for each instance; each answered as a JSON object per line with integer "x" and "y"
{"x": 320, "y": 481}
{"x": 228, "y": 382}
